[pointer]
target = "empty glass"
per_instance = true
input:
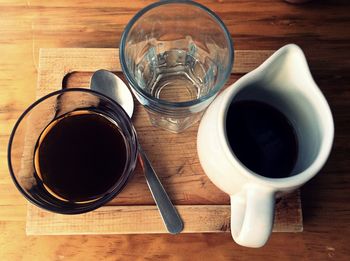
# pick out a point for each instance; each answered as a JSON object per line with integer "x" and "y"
{"x": 176, "y": 56}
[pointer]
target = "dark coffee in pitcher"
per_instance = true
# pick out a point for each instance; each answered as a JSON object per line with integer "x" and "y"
{"x": 262, "y": 138}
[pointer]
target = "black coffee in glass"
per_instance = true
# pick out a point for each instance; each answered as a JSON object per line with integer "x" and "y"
{"x": 80, "y": 156}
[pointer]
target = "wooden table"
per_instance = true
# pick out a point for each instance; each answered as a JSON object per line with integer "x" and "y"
{"x": 321, "y": 28}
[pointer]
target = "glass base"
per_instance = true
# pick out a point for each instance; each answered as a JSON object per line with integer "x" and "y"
{"x": 172, "y": 123}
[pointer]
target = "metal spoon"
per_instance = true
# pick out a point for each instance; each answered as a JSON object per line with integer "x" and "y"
{"x": 112, "y": 86}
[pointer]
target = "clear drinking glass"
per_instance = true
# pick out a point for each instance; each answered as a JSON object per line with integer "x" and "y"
{"x": 176, "y": 56}
{"x": 34, "y": 121}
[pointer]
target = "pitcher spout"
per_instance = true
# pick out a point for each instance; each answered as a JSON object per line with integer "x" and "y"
{"x": 287, "y": 67}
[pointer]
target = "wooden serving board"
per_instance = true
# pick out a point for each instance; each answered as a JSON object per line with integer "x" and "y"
{"x": 203, "y": 207}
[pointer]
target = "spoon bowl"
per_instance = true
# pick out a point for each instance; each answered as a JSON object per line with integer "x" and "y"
{"x": 102, "y": 80}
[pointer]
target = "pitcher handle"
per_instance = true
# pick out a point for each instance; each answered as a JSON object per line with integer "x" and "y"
{"x": 252, "y": 214}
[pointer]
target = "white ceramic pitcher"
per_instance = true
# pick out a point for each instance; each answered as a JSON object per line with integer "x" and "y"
{"x": 285, "y": 82}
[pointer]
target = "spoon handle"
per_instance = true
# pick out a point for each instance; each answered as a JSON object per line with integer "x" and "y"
{"x": 168, "y": 212}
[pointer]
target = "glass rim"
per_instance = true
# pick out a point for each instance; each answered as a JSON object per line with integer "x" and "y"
{"x": 83, "y": 208}
{"x": 218, "y": 86}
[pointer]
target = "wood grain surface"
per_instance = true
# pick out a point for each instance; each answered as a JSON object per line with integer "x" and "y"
{"x": 320, "y": 27}
{"x": 174, "y": 158}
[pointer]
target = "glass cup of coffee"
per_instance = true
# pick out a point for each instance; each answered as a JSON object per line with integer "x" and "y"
{"x": 72, "y": 151}
{"x": 176, "y": 56}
